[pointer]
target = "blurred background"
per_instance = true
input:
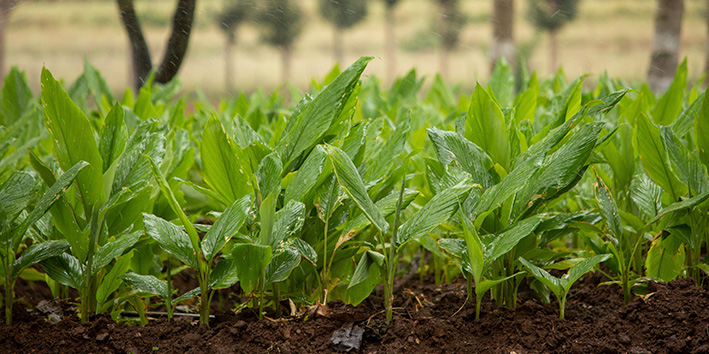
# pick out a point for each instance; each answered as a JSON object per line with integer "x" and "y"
{"x": 240, "y": 46}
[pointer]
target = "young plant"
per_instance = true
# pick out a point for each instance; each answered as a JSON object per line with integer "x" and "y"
{"x": 560, "y": 286}
{"x": 16, "y": 194}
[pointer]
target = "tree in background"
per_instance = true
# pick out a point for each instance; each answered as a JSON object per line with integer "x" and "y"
{"x": 234, "y": 14}
{"x": 665, "y": 47}
{"x": 551, "y": 16}
{"x": 343, "y": 15}
{"x": 6, "y": 7}
{"x": 503, "y": 43}
{"x": 450, "y": 22}
{"x": 281, "y": 23}
{"x": 176, "y": 44}
{"x": 390, "y": 38}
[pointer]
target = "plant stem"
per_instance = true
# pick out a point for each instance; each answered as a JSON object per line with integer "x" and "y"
{"x": 9, "y": 287}
{"x": 325, "y": 265}
{"x": 562, "y": 306}
{"x": 470, "y": 287}
{"x": 391, "y": 259}
{"x": 276, "y": 299}
{"x": 168, "y": 300}
{"x": 88, "y": 294}
{"x": 204, "y": 295}
{"x": 478, "y": 301}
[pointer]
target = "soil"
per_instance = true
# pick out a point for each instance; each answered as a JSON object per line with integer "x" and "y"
{"x": 672, "y": 318}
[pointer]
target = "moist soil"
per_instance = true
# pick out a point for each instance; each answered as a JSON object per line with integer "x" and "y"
{"x": 671, "y": 318}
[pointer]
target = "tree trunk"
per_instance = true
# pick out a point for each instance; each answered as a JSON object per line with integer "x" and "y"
{"x": 285, "y": 63}
{"x": 176, "y": 45}
{"x": 337, "y": 49}
{"x": 503, "y": 45}
{"x": 665, "y": 48}
{"x": 228, "y": 61}
{"x": 554, "y": 50}
{"x": 390, "y": 44}
{"x": 6, "y": 7}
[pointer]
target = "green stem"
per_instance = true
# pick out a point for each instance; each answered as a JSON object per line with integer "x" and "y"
{"x": 88, "y": 294}
{"x": 276, "y": 299}
{"x": 204, "y": 296}
{"x": 478, "y": 302}
{"x": 168, "y": 300}
{"x": 325, "y": 265}
{"x": 9, "y": 287}
{"x": 562, "y": 306}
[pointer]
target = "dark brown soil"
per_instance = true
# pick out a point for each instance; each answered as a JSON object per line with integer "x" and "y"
{"x": 674, "y": 318}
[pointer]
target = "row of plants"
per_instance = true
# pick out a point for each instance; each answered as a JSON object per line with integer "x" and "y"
{"x": 349, "y": 188}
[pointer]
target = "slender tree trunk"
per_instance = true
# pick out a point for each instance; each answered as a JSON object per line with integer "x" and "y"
{"x": 338, "y": 51}
{"x": 553, "y": 50}
{"x": 503, "y": 45}
{"x": 6, "y": 7}
{"x": 228, "y": 61}
{"x": 390, "y": 44}
{"x": 285, "y": 63}
{"x": 140, "y": 54}
{"x": 665, "y": 47}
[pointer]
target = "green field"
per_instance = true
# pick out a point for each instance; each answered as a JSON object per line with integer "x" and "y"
{"x": 609, "y": 35}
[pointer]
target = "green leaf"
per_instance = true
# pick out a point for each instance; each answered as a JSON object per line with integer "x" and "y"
{"x": 485, "y": 126}
{"x": 352, "y": 184}
{"x": 581, "y": 268}
{"x": 543, "y": 276}
{"x": 223, "y": 164}
{"x": 685, "y": 165}
{"x": 226, "y": 226}
{"x": 471, "y": 157}
{"x": 146, "y": 284}
{"x": 114, "y": 249}
{"x": 112, "y": 280}
{"x": 97, "y": 85}
{"x": 268, "y": 175}
{"x": 17, "y": 191}
{"x": 484, "y": 286}
{"x": 381, "y": 163}
{"x": 508, "y": 239}
{"x": 223, "y": 275}
{"x": 665, "y": 259}
{"x": 171, "y": 239}
{"x": 133, "y": 166}
{"x": 475, "y": 249}
{"x": 305, "y": 250}
{"x": 312, "y": 121}
{"x": 386, "y": 207}
{"x": 251, "y": 262}
{"x": 646, "y": 194}
{"x": 328, "y": 198}
{"x": 73, "y": 138}
{"x": 282, "y": 265}
{"x": 654, "y": 158}
{"x": 15, "y": 97}
{"x": 64, "y": 269}
{"x": 670, "y": 104}
{"x": 502, "y": 82}
{"x": 609, "y": 210}
{"x": 439, "y": 209}
{"x": 681, "y": 205}
{"x": 288, "y": 222}
{"x": 124, "y": 208}
{"x": 306, "y": 177}
{"x": 525, "y": 108}
{"x": 37, "y": 253}
{"x": 701, "y": 132}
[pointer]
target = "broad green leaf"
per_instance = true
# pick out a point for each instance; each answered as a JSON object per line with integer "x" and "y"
{"x": 97, "y": 86}
{"x": 124, "y": 208}
{"x": 14, "y": 98}
{"x": 133, "y": 166}
{"x": 365, "y": 278}
{"x": 114, "y": 249}
{"x": 685, "y": 165}
{"x": 553, "y": 283}
{"x": 64, "y": 269}
{"x": 682, "y": 125}
{"x": 485, "y": 126}
{"x": 268, "y": 175}
{"x": 670, "y": 104}
{"x": 282, "y": 265}
{"x": 171, "y": 239}
{"x": 352, "y": 184}
{"x": 251, "y": 262}
{"x": 508, "y": 239}
{"x": 193, "y": 237}
{"x": 37, "y": 253}
{"x": 525, "y": 108}
{"x": 288, "y": 223}
{"x": 146, "y": 284}
{"x": 681, "y": 205}
{"x": 701, "y": 132}
{"x": 307, "y": 176}
{"x": 114, "y": 136}
{"x": 223, "y": 275}
{"x": 112, "y": 280}
{"x": 482, "y": 287}
{"x": 311, "y": 123}
{"x": 439, "y": 209}
{"x": 386, "y": 207}
{"x": 646, "y": 194}
{"x": 475, "y": 249}
{"x": 502, "y": 83}
{"x": 665, "y": 259}
{"x": 17, "y": 192}
{"x": 328, "y": 197}
{"x": 226, "y": 226}
{"x": 654, "y": 158}
{"x": 471, "y": 157}
{"x": 608, "y": 207}
{"x": 381, "y": 163}
{"x": 579, "y": 269}
{"x": 223, "y": 164}
{"x": 73, "y": 138}
{"x": 305, "y": 250}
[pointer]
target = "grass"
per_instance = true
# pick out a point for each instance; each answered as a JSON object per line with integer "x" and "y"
{"x": 608, "y": 35}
